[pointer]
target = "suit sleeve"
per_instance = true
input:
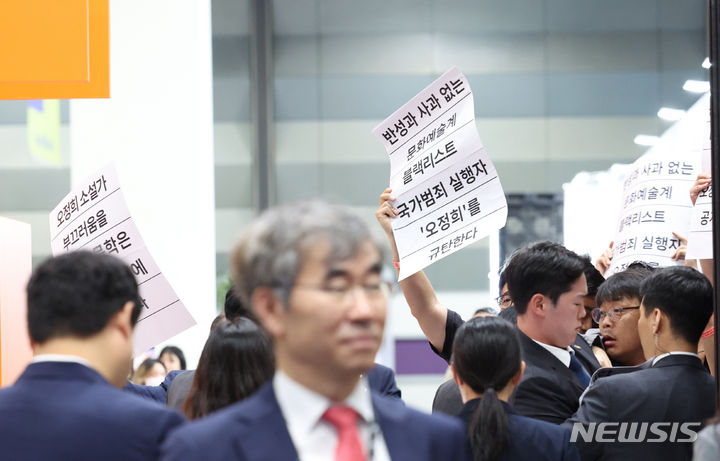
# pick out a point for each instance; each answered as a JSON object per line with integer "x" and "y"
{"x": 537, "y": 397}
{"x": 594, "y": 408}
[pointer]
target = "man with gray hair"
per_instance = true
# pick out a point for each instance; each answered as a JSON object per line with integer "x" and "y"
{"x": 311, "y": 273}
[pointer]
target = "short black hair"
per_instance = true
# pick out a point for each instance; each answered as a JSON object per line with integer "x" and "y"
{"x": 625, "y": 284}
{"x": 547, "y": 268}
{"x": 593, "y": 277}
{"x": 235, "y": 307}
{"x": 177, "y": 352}
{"x": 76, "y": 294}
{"x": 684, "y": 295}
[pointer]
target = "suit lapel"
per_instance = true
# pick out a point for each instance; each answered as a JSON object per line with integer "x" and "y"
{"x": 540, "y": 357}
{"x": 267, "y": 437}
{"x": 585, "y": 354}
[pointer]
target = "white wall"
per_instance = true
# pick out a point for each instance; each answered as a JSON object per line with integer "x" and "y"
{"x": 157, "y": 126}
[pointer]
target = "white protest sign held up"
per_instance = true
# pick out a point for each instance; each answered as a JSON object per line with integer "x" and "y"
{"x": 656, "y": 203}
{"x": 700, "y": 244}
{"x": 95, "y": 217}
{"x": 446, "y": 187}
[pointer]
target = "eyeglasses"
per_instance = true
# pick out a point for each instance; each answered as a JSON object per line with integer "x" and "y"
{"x": 373, "y": 291}
{"x": 504, "y": 300}
{"x": 613, "y": 314}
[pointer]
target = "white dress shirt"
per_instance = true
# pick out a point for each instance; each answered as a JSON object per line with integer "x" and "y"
{"x": 561, "y": 354}
{"x": 667, "y": 354}
{"x": 60, "y": 358}
{"x": 314, "y": 438}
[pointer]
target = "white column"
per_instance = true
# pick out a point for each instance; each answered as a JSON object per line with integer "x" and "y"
{"x": 157, "y": 126}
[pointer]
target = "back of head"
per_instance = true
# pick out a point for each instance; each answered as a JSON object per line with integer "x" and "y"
{"x": 487, "y": 355}
{"x": 593, "y": 277}
{"x": 235, "y": 308}
{"x": 270, "y": 253}
{"x": 76, "y": 294}
{"x": 547, "y": 268}
{"x": 684, "y": 295}
{"x": 237, "y": 359}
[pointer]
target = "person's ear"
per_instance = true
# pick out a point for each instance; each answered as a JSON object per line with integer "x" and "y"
{"x": 122, "y": 320}
{"x": 456, "y": 377}
{"x": 657, "y": 322}
{"x": 270, "y": 310}
{"x": 515, "y": 380}
{"x": 538, "y": 304}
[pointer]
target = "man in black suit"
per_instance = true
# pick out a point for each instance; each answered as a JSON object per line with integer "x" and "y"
{"x": 82, "y": 308}
{"x": 547, "y": 284}
{"x": 663, "y": 401}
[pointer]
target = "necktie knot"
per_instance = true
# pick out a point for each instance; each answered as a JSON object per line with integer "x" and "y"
{"x": 345, "y": 419}
{"x": 341, "y": 416}
{"x": 578, "y": 370}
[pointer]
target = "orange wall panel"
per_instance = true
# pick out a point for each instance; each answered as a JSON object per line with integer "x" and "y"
{"x": 54, "y": 49}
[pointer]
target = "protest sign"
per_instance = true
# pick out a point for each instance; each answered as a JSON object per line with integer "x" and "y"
{"x": 655, "y": 204}
{"x": 95, "y": 217}
{"x": 700, "y": 243}
{"x": 446, "y": 187}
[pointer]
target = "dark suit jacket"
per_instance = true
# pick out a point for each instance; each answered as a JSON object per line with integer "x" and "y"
{"x": 156, "y": 393}
{"x": 447, "y": 399}
{"x": 67, "y": 411}
{"x": 254, "y": 430}
{"x": 380, "y": 378}
{"x": 549, "y": 390}
{"x": 530, "y": 439}
{"x": 676, "y": 389}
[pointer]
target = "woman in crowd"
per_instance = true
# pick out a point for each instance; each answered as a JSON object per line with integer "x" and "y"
{"x": 173, "y": 358}
{"x": 487, "y": 366}
{"x": 237, "y": 359}
{"x": 150, "y": 372}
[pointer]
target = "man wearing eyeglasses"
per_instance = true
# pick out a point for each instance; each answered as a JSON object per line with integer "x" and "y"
{"x": 655, "y": 411}
{"x": 618, "y": 299}
{"x": 311, "y": 273}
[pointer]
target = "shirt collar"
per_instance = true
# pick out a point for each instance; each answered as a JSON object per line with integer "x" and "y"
{"x": 662, "y": 356}
{"x": 61, "y": 358}
{"x": 303, "y": 408}
{"x": 563, "y": 355}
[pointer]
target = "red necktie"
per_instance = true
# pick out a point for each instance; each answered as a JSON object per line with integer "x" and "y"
{"x": 344, "y": 419}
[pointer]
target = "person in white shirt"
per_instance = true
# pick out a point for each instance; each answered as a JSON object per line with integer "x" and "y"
{"x": 311, "y": 273}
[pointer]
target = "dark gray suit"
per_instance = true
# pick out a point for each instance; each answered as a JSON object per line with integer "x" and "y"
{"x": 677, "y": 389}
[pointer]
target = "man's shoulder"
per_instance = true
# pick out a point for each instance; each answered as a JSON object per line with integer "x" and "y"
{"x": 391, "y": 411}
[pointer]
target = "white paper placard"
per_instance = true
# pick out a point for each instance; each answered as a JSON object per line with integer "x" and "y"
{"x": 446, "y": 187}
{"x": 95, "y": 217}
{"x": 656, "y": 203}
{"x": 700, "y": 239}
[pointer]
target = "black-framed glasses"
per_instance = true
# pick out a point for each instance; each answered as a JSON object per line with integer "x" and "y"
{"x": 613, "y": 314}
{"x": 504, "y": 300}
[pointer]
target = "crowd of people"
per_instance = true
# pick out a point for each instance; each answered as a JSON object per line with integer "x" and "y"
{"x": 571, "y": 366}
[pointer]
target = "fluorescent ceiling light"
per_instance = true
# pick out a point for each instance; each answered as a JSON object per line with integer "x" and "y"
{"x": 696, "y": 86}
{"x": 646, "y": 140}
{"x": 706, "y": 63}
{"x": 670, "y": 114}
